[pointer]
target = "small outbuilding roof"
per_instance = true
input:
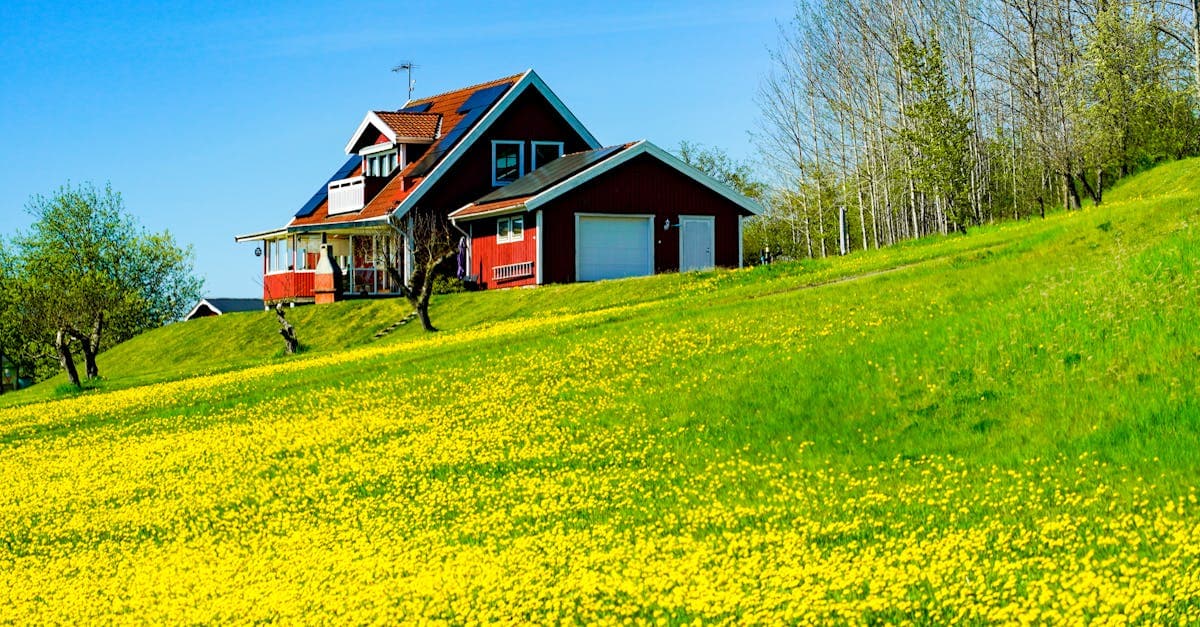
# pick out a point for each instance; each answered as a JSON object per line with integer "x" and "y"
{"x": 570, "y": 171}
{"x": 218, "y": 306}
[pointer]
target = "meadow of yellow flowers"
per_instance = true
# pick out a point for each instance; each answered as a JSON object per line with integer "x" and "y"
{"x": 374, "y": 487}
{"x": 1004, "y": 435}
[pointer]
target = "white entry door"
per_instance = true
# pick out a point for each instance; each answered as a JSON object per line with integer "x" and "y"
{"x": 696, "y": 243}
{"x": 612, "y": 246}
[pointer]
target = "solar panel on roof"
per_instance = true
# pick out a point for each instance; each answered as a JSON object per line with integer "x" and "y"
{"x": 448, "y": 141}
{"x": 344, "y": 171}
{"x": 483, "y": 98}
{"x": 550, "y": 174}
{"x": 418, "y": 108}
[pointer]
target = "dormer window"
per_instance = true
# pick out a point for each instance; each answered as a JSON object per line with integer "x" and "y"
{"x": 381, "y": 159}
{"x": 508, "y": 161}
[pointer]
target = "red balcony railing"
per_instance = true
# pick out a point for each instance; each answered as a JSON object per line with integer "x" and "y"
{"x": 288, "y": 286}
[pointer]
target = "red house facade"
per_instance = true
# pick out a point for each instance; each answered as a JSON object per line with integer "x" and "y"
{"x": 533, "y": 194}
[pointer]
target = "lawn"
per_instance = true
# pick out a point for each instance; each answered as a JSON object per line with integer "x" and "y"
{"x": 1001, "y": 426}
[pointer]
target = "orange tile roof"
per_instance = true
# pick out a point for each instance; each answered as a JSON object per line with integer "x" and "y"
{"x": 446, "y": 106}
{"x": 488, "y": 207}
{"x": 412, "y": 125}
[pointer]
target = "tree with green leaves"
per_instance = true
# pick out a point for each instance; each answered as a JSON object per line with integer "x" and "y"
{"x": 938, "y": 135}
{"x": 1129, "y": 113}
{"x": 87, "y": 272}
{"x": 719, "y": 165}
{"x": 741, "y": 178}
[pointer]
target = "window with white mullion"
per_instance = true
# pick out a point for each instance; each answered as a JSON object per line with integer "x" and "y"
{"x": 510, "y": 229}
{"x": 381, "y": 163}
{"x": 508, "y": 161}
{"x": 279, "y": 255}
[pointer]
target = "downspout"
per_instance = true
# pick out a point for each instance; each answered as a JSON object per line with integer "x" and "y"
{"x": 470, "y": 246}
{"x": 537, "y": 267}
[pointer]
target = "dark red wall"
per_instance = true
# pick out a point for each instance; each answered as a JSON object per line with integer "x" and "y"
{"x": 529, "y": 118}
{"x": 486, "y": 253}
{"x": 644, "y": 185}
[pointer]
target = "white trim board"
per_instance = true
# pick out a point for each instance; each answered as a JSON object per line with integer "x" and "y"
{"x": 528, "y": 79}
{"x": 261, "y": 235}
{"x": 537, "y": 235}
{"x": 202, "y": 303}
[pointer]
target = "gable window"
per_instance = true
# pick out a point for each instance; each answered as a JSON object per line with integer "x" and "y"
{"x": 380, "y": 164}
{"x": 545, "y": 152}
{"x": 508, "y": 161}
{"x": 510, "y": 229}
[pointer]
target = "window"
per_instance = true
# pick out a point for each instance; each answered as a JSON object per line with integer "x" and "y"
{"x": 510, "y": 229}
{"x": 545, "y": 152}
{"x": 508, "y": 161}
{"x": 279, "y": 255}
{"x": 380, "y": 164}
{"x": 308, "y": 251}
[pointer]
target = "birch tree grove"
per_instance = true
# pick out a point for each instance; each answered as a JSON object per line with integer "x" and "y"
{"x": 914, "y": 117}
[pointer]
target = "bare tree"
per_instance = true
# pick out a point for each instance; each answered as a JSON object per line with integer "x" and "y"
{"x": 431, "y": 242}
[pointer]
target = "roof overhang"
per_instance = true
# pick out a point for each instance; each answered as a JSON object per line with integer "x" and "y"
{"x": 363, "y": 224}
{"x": 261, "y": 235}
{"x": 528, "y": 80}
{"x": 372, "y": 119}
{"x": 517, "y": 207}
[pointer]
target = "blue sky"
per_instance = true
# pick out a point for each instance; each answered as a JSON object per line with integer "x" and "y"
{"x": 219, "y": 119}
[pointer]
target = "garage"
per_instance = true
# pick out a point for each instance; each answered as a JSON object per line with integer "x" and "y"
{"x": 613, "y": 246}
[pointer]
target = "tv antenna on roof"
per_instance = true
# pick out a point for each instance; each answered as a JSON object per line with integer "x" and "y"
{"x": 407, "y": 66}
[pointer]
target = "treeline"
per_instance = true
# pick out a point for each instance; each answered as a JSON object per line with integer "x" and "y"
{"x": 910, "y": 117}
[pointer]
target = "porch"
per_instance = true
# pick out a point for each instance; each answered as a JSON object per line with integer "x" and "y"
{"x": 362, "y": 258}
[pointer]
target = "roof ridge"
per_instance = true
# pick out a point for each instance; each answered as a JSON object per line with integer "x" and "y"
{"x": 469, "y": 87}
{"x": 403, "y": 112}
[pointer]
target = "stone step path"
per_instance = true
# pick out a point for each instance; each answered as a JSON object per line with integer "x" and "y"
{"x": 396, "y": 325}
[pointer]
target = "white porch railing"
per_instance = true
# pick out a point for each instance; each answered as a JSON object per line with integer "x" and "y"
{"x": 512, "y": 271}
{"x": 347, "y": 195}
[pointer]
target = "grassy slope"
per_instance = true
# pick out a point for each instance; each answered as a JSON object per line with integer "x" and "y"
{"x": 996, "y": 407}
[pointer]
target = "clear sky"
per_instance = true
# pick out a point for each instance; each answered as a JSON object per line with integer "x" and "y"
{"x": 219, "y": 119}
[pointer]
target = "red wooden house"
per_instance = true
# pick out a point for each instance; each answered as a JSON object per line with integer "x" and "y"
{"x": 535, "y": 196}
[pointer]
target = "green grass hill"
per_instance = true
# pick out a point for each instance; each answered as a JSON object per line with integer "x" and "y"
{"x": 1001, "y": 426}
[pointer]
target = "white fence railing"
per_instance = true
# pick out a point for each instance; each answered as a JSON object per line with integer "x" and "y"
{"x": 512, "y": 271}
{"x": 347, "y": 195}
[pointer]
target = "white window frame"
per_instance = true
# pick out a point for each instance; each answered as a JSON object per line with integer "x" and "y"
{"x": 511, "y": 220}
{"x": 368, "y": 156}
{"x": 520, "y": 159}
{"x": 533, "y": 164}
{"x": 301, "y": 244}
{"x": 280, "y": 255}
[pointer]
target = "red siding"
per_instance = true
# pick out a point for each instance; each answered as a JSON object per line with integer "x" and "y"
{"x": 487, "y": 254}
{"x": 644, "y": 185}
{"x": 529, "y": 118}
{"x": 287, "y": 286}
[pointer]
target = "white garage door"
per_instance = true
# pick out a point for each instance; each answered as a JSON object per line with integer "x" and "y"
{"x": 611, "y": 247}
